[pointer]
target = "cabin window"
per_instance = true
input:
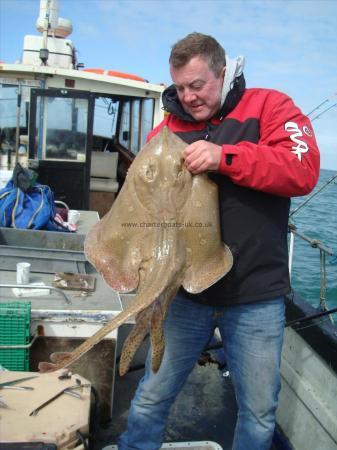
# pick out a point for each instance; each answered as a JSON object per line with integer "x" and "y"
{"x": 8, "y": 116}
{"x": 124, "y": 132}
{"x": 105, "y": 117}
{"x": 64, "y": 132}
{"x": 8, "y": 106}
{"x": 147, "y": 118}
{"x": 135, "y": 125}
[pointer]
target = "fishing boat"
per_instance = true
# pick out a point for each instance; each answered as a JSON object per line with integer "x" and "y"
{"x": 79, "y": 130}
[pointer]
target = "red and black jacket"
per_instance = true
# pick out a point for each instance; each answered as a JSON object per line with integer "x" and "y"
{"x": 269, "y": 153}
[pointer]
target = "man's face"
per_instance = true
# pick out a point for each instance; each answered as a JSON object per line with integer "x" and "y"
{"x": 199, "y": 90}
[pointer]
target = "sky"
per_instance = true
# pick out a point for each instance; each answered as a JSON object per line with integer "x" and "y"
{"x": 288, "y": 45}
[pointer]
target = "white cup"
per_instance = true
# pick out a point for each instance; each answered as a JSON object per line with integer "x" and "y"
{"x": 73, "y": 216}
{"x": 22, "y": 272}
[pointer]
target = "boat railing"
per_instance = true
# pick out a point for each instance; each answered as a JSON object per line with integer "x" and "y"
{"x": 314, "y": 243}
{"x": 324, "y": 251}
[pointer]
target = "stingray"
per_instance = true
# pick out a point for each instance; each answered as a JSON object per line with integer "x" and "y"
{"x": 161, "y": 233}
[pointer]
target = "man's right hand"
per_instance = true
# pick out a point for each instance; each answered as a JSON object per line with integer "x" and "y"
{"x": 202, "y": 156}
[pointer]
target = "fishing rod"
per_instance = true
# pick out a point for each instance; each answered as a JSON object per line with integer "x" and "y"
{"x": 321, "y": 104}
{"x": 323, "y": 112}
{"x": 335, "y": 176}
{"x": 313, "y": 194}
{"x": 311, "y": 317}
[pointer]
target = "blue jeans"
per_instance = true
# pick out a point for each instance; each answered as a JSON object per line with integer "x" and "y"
{"x": 252, "y": 336}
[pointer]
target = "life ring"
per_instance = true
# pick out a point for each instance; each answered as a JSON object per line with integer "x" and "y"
{"x": 113, "y": 73}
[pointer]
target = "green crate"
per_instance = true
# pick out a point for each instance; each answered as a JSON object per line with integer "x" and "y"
{"x": 14, "y": 330}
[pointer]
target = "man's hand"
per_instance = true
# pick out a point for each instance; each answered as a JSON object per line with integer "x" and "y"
{"x": 202, "y": 156}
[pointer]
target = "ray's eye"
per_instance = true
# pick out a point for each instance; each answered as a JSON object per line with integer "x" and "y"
{"x": 149, "y": 172}
{"x": 179, "y": 170}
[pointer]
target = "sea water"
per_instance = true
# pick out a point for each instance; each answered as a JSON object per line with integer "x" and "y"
{"x": 317, "y": 220}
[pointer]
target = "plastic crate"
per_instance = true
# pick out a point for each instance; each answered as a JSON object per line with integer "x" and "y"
{"x": 14, "y": 330}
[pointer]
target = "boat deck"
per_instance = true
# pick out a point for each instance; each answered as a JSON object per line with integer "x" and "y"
{"x": 205, "y": 410}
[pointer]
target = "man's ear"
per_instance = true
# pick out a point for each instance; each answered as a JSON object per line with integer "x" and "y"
{"x": 223, "y": 72}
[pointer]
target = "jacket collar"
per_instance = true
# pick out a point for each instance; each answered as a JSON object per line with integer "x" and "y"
{"x": 171, "y": 102}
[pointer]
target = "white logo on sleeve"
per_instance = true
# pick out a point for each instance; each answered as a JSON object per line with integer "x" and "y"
{"x": 300, "y": 146}
{"x": 307, "y": 130}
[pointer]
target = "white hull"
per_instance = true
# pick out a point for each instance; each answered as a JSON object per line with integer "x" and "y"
{"x": 307, "y": 411}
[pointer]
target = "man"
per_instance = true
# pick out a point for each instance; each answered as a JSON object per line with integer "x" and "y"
{"x": 260, "y": 150}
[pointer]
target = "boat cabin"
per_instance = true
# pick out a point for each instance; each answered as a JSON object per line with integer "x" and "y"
{"x": 78, "y": 128}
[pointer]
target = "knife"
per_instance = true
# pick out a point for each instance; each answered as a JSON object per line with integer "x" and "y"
{"x": 18, "y": 380}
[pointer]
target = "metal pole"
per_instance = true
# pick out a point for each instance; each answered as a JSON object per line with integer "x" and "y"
{"x": 291, "y": 252}
{"x": 313, "y": 242}
{"x": 17, "y": 131}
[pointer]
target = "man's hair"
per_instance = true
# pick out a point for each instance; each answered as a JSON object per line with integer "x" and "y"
{"x": 198, "y": 44}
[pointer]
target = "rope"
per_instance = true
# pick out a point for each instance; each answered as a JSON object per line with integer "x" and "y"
{"x": 322, "y": 297}
{"x": 323, "y": 282}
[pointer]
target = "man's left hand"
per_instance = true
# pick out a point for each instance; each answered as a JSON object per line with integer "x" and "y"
{"x": 202, "y": 156}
